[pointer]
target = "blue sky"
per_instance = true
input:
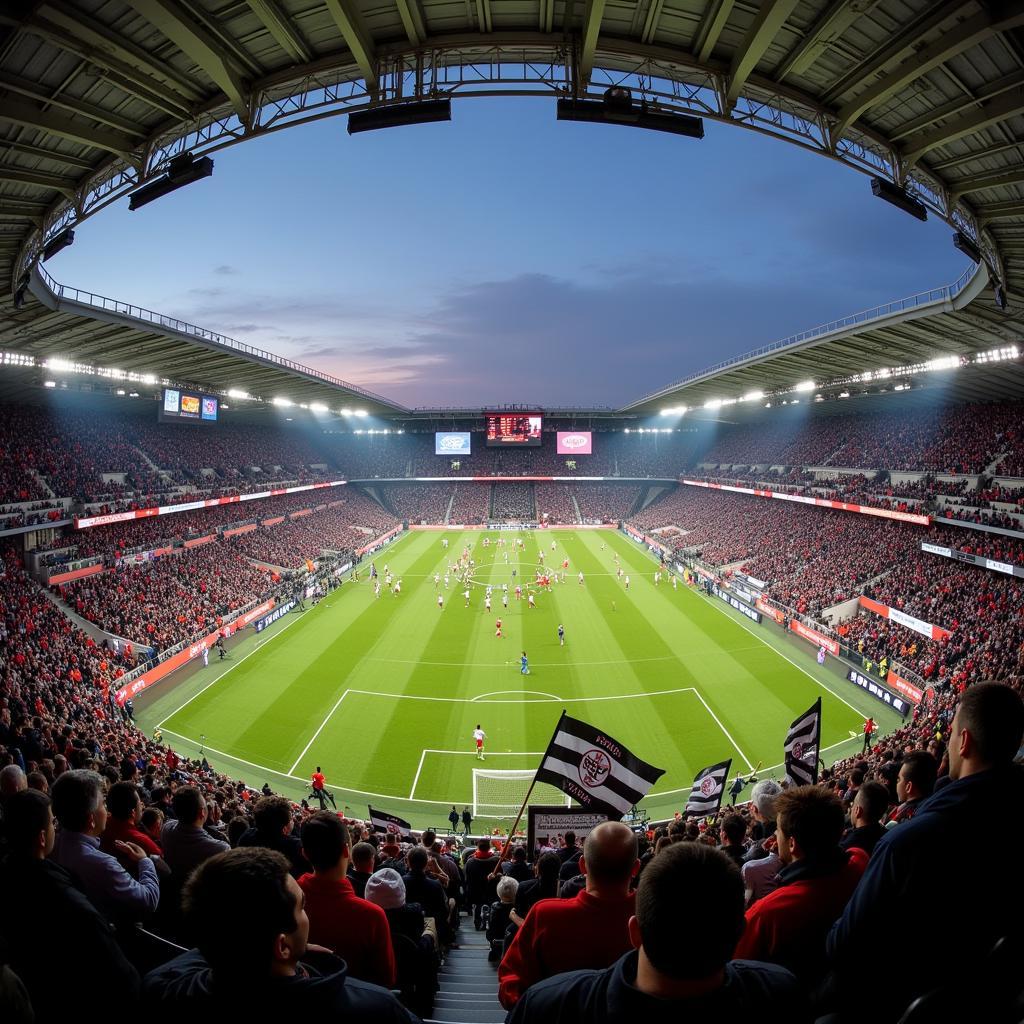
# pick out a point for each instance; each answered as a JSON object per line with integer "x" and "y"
{"x": 508, "y": 257}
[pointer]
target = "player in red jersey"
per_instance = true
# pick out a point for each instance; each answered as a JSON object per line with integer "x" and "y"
{"x": 497, "y": 629}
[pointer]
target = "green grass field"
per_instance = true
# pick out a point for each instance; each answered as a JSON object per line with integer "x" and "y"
{"x": 384, "y": 693}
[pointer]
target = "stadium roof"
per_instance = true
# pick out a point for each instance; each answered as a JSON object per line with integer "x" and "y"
{"x": 96, "y": 96}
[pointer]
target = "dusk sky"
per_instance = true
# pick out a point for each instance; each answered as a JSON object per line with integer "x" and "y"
{"x": 507, "y": 257}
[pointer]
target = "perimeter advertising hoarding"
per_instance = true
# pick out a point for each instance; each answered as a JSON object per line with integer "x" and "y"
{"x": 575, "y": 442}
{"x": 453, "y": 443}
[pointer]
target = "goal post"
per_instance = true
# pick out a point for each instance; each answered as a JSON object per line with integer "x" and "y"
{"x": 500, "y": 794}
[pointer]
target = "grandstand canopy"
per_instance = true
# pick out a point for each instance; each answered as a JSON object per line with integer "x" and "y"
{"x": 96, "y": 97}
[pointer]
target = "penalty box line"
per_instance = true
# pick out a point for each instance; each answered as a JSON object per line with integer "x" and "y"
{"x": 467, "y": 753}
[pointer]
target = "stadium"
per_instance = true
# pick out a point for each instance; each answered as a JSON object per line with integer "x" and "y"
{"x": 308, "y": 692}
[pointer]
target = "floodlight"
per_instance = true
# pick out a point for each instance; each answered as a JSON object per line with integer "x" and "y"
{"x": 58, "y": 244}
{"x": 361, "y": 412}
{"x": 805, "y": 385}
{"x": 398, "y": 115}
{"x": 49, "y": 383}
{"x": 753, "y": 396}
{"x": 618, "y": 107}
{"x": 181, "y": 171}
{"x": 283, "y": 403}
{"x": 317, "y": 407}
{"x": 899, "y": 197}
{"x": 967, "y": 247}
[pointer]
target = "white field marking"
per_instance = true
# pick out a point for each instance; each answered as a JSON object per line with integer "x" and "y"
{"x": 814, "y": 679}
{"x": 580, "y": 664}
{"x": 567, "y": 700}
{"x": 299, "y": 778}
{"x": 735, "y": 745}
{"x": 229, "y": 670}
{"x": 320, "y": 730}
{"x": 762, "y": 771}
{"x": 499, "y": 753}
{"x": 495, "y": 693}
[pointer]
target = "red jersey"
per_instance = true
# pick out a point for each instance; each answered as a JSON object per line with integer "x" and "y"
{"x": 318, "y": 780}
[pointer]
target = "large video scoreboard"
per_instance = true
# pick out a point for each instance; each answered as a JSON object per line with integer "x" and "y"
{"x": 513, "y": 430}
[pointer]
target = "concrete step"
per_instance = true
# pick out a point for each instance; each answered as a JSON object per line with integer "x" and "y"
{"x": 452, "y": 1015}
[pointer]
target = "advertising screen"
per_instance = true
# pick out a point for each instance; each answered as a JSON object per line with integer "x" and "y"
{"x": 453, "y": 443}
{"x": 177, "y": 405}
{"x": 517, "y": 430}
{"x": 575, "y": 442}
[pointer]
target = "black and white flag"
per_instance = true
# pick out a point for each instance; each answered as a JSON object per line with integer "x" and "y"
{"x": 595, "y": 770}
{"x": 390, "y": 823}
{"x": 708, "y": 787}
{"x": 802, "y": 746}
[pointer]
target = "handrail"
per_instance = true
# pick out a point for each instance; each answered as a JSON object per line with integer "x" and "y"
{"x": 85, "y": 298}
{"x": 945, "y": 293}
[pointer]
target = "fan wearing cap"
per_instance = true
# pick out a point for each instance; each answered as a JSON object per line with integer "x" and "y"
{"x": 386, "y": 889}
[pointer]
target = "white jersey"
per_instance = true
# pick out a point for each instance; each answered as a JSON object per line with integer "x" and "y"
{"x": 530, "y": 600}
{"x": 581, "y": 577}
{"x": 487, "y": 603}
{"x": 479, "y": 735}
{"x": 440, "y": 600}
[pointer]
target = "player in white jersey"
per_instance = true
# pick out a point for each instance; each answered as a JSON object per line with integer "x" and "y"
{"x": 479, "y": 736}
{"x": 627, "y": 583}
{"x": 397, "y": 588}
{"x": 446, "y": 581}
{"x": 675, "y": 582}
{"x": 437, "y": 580}
{"x": 487, "y": 603}
{"x": 504, "y": 598}
{"x": 657, "y": 579}
{"x": 552, "y": 545}
{"x": 440, "y": 601}
{"x": 465, "y": 595}
{"x": 580, "y": 578}
{"x": 529, "y": 601}
{"x": 376, "y": 589}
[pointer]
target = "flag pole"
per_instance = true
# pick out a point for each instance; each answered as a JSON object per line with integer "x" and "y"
{"x": 519, "y": 816}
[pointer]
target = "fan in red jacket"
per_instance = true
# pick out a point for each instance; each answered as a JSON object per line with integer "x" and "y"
{"x": 789, "y": 926}
{"x": 589, "y": 931}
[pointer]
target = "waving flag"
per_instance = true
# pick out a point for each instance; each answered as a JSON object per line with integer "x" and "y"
{"x": 390, "y": 823}
{"x": 594, "y": 769}
{"x": 708, "y": 787}
{"x": 802, "y": 746}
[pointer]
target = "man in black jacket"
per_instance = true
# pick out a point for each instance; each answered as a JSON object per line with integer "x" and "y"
{"x": 38, "y": 896}
{"x": 253, "y": 960}
{"x": 273, "y": 829}
{"x": 689, "y": 914}
{"x": 940, "y": 874}
{"x": 481, "y": 889}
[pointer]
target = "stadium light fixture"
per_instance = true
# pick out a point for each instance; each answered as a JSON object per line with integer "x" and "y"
{"x": 120, "y": 391}
{"x": 713, "y": 403}
{"x": 753, "y": 396}
{"x": 317, "y": 407}
{"x": 805, "y": 385}
{"x": 346, "y": 411}
{"x": 283, "y": 403}
{"x": 238, "y": 393}
{"x": 181, "y": 171}
{"x": 49, "y": 383}
{"x": 967, "y": 247}
{"x": 844, "y": 394}
{"x": 58, "y": 244}
{"x": 617, "y": 107}
{"x": 362, "y": 412}
{"x": 899, "y": 197}
{"x": 398, "y": 115}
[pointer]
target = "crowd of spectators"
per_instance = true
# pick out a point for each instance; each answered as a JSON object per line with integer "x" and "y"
{"x": 554, "y": 504}
{"x": 604, "y": 503}
{"x": 418, "y": 503}
{"x": 164, "y": 601}
{"x": 513, "y": 501}
{"x": 471, "y": 504}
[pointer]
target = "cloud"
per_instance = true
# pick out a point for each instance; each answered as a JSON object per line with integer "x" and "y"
{"x": 225, "y": 268}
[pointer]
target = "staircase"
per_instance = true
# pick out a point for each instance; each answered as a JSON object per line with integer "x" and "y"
{"x": 576, "y": 507}
{"x": 468, "y": 992}
{"x": 451, "y": 501}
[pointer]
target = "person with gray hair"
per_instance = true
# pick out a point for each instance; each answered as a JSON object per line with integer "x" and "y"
{"x": 80, "y": 809}
{"x": 498, "y": 922}
{"x": 761, "y": 866}
{"x": 12, "y": 780}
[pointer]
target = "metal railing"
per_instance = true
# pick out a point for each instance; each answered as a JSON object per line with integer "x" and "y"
{"x": 102, "y": 302}
{"x": 945, "y": 293}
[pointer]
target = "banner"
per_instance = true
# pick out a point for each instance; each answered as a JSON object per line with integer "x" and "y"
{"x": 816, "y": 638}
{"x": 545, "y": 824}
{"x": 802, "y": 745}
{"x": 905, "y": 686}
{"x": 184, "y": 656}
{"x": 453, "y": 443}
{"x": 75, "y": 574}
{"x": 734, "y": 602}
{"x": 878, "y": 691}
{"x": 909, "y": 621}
{"x": 574, "y": 442}
{"x": 1007, "y": 568}
{"x": 268, "y": 620}
{"x": 83, "y": 522}
{"x": 803, "y": 499}
{"x": 763, "y": 606}
{"x": 393, "y": 825}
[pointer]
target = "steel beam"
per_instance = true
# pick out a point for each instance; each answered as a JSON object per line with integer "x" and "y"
{"x": 836, "y": 19}
{"x": 1000, "y": 211}
{"x": 47, "y": 154}
{"x": 911, "y": 33}
{"x": 591, "y": 29}
{"x": 280, "y": 26}
{"x": 483, "y": 16}
{"x": 28, "y": 116}
{"x": 412, "y": 20}
{"x": 769, "y": 19}
{"x": 200, "y": 46}
{"x": 957, "y": 40}
{"x": 989, "y": 112}
{"x": 710, "y": 28}
{"x": 969, "y": 185}
{"x": 39, "y": 179}
{"x": 357, "y": 40}
{"x": 961, "y": 103}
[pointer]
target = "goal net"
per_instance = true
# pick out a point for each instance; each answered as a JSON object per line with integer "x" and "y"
{"x": 499, "y": 794}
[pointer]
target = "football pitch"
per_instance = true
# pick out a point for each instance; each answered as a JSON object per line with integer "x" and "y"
{"x": 384, "y": 692}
